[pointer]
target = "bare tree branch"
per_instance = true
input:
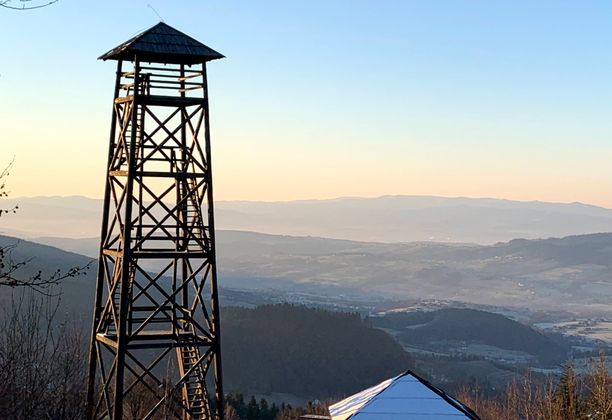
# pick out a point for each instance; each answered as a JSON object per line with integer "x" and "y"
{"x": 37, "y": 282}
{"x": 7, "y": 4}
{"x": 9, "y": 269}
{"x": 42, "y": 361}
{"x": 3, "y": 192}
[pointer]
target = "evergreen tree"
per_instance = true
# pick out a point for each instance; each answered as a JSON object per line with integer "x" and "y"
{"x": 264, "y": 410}
{"x": 237, "y": 402}
{"x": 567, "y": 393}
{"x": 252, "y": 410}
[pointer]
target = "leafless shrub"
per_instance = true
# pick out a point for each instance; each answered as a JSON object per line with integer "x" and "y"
{"x": 42, "y": 363}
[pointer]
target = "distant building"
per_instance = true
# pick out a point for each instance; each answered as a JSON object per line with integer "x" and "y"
{"x": 404, "y": 397}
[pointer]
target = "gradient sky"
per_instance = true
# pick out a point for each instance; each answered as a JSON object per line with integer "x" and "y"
{"x": 328, "y": 98}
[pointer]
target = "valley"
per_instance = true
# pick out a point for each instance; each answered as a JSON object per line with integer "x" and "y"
{"x": 457, "y": 311}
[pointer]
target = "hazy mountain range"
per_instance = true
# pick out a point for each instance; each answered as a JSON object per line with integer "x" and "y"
{"x": 258, "y": 261}
{"x": 382, "y": 219}
{"x": 571, "y": 274}
{"x": 383, "y": 252}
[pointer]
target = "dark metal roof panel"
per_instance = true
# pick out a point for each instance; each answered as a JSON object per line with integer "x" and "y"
{"x": 163, "y": 44}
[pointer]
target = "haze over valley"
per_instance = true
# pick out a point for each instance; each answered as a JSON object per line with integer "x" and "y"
{"x": 553, "y": 273}
{"x": 459, "y": 287}
{"x": 383, "y": 219}
{"x": 441, "y": 276}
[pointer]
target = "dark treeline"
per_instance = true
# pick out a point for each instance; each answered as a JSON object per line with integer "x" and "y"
{"x": 280, "y": 348}
{"x": 238, "y": 409}
{"x": 311, "y": 353}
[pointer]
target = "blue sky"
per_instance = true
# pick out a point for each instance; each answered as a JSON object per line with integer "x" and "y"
{"x": 320, "y": 99}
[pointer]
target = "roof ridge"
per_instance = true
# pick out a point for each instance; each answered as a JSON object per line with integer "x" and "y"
{"x": 373, "y": 397}
{"x": 165, "y": 44}
{"x": 357, "y": 403}
{"x": 452, "y": 401}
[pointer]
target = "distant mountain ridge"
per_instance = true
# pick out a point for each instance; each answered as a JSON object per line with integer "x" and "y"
{"x": 382, "y": 219}
{"x": 571, "y": 274}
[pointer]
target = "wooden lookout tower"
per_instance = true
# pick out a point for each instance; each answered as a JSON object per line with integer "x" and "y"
{"x": 155, "y": 335}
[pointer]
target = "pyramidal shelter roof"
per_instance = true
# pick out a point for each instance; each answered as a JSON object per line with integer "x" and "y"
{"x": 163, "y": 44}
{"x": 404, "y": 397}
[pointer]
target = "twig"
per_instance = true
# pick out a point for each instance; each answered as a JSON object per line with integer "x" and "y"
{"x": 6, "y": 4}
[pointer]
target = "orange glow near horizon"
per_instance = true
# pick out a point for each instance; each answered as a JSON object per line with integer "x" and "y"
{"x": 457, "y": 116}
{"x": 281, "y": 173}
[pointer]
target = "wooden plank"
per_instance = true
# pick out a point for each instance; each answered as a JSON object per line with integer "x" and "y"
{"x": 103, "y": 338}
{"x": 124, "y": 99}
{"x": 191, "y": 88}
{"x": 157, "y": 100}
{"x": 177, "y": 175}
{"x": 170, "y": 254}
{"x": 197, "y": 74}
{"x": 112, "y": 253}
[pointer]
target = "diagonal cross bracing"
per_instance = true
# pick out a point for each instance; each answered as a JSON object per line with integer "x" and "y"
{"x": 156, "y": 320}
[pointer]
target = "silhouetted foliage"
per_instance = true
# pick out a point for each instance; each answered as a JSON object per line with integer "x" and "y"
{"x": 262, "y": 410}
{"x": 42, "y": 360}
{"x": 568, "y": 393}
{"x": 572, "y": 397}
{"x": 42, "y": 365}
{"x": 599, "y": 384}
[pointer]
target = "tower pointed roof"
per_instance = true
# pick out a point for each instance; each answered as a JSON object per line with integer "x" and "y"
{"x": 162, "y": 44}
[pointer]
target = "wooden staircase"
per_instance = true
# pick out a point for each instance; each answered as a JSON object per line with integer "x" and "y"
{"x": 115, "y": 299}
{"x": 195, "y": 396}
{"x": 195, "y": 218}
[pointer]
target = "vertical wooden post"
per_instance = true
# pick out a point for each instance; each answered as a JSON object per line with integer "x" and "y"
{"x": 126, "y": 260}
{"x": 91, "y": 379}
{"x": 219, "y": 397}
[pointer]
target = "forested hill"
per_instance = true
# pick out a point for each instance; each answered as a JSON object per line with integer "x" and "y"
{"x": 306, "y": 352}
{"x": 472, "y": 326}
